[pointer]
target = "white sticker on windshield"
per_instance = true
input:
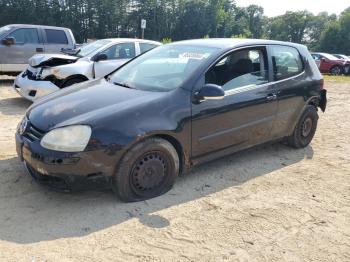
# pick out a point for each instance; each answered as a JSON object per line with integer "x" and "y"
{"x": 192, "y": 56}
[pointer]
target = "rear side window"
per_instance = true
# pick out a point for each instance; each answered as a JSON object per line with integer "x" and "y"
{"x": 120, "y": 51}
{"x": 286, "y": 62}
{"x": 25, "y": 36}
{"x": 56, "y": 37}
{"x": 144, "y": 47}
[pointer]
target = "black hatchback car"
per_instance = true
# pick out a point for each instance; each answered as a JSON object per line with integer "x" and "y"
{"x": 169, "y": 109}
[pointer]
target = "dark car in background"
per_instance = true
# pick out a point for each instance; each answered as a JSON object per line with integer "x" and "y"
{"x": 20, "y": 42}
{"x": 172, "y": 108}
{"x": 329, "y": 64}
{"x": 346, "y": 59}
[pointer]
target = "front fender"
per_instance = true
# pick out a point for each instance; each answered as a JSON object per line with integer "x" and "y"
{"x": 63, "y": 72}
{"x": 168, "y": 117}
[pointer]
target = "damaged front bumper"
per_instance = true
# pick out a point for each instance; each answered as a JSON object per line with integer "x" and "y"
{"x": 65, "y": 172}
{"x": 33, "y": 89}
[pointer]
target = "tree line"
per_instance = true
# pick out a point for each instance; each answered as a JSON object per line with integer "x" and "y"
{"x": 181, "y": 19}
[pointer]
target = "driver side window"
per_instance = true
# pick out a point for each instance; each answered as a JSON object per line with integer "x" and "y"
{"x": 120, "y": 51}
{"x": 25, "y": 36}
{"x": 240, "y": 68}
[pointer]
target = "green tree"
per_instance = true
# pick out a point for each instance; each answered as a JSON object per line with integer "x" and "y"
{"x": 336, "y": 37}
{"x": 317, "y": 25}
{"x": 345, "y": 31}
{"x": 180, "y": 19}
{"x": 291, "y": 27}
{"x": 192, "y": 22}
{"x": 330, "y": 38}
{"x": 255, "y": 20}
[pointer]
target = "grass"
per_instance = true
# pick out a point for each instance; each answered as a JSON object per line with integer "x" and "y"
{"x": 337, "y": 78}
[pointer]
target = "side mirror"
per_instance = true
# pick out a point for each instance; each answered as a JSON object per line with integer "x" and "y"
{"x": 100, "y": 57}
{"x": 210, "y": 92}
{"x": 323, "y": 59}
{"x": 9, "y": 41}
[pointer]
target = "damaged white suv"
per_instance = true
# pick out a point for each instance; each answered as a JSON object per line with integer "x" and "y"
{"x": 48, "y": 73}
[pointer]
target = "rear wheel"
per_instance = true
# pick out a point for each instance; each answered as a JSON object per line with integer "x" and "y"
{"x": 305, "y": 128}
{"x": 147, "y": 170}
{"x": 336, "y": 70}
{"x": 73, "y": 81}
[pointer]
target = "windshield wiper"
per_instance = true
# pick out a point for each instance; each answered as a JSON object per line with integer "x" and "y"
{"x": 123, "y": 85}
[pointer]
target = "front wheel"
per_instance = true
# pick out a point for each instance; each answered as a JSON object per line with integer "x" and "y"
{"x": 147, "y": 170}
{"x": 305, "y": 129}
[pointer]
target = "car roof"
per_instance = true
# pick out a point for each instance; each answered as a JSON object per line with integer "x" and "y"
{"x": 319, "y": 53}
{"x": 115, "y": 40}
{"x": 224, "y": 43}
{"x": 38, "y": 26}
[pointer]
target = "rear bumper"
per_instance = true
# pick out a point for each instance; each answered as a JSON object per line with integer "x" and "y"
{"x": 323, "y": 100}
{"x": 32, "y": 89}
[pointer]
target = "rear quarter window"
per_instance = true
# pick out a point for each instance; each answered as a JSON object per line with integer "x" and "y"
{"x": 286, "y": 61}
{"x": 56, "y": 37}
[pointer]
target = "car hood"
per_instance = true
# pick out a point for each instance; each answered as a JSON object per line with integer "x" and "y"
{"x": 51, "y": 60}
{"x": 87, "y": 103}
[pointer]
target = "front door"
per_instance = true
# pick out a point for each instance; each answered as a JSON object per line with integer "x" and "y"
{"x": 246, "y": 114}
{"x": 27, "y": 44}
{"x": 117, "y": 55}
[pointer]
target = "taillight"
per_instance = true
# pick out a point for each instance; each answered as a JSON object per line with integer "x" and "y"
{"x": 322, "y": 84}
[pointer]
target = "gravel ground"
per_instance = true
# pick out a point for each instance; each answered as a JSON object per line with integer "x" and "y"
{"x": 271, "y": 203}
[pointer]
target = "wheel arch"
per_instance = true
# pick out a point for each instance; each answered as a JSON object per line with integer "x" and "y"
{"x": 313, "y": 101}
{"x": 178, "y": 147}
{"x": 183, "y": 158}
{"x": 80, "y": 76}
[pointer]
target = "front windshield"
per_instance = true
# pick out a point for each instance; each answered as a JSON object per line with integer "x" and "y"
{"x": 4, "y": 29}
{"x": 92, "y": 47}
{"x": 163, "y": 68}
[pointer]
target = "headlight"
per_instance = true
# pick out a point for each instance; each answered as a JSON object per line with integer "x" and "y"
{"x": 67, "y": 139}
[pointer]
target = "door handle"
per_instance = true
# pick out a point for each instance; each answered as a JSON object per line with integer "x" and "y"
{"x": 40, "y": 49}
{"x": 271, "y": 97}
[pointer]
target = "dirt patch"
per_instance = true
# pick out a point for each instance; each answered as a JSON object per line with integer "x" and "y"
{"x": 270, "y": 203}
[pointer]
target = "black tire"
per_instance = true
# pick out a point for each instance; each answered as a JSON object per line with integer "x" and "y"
{"x": 305, "y": 129}
{"x": 149, "y": 169}
{"x": 336, "y": 70}
{"x": 73, "y": 81}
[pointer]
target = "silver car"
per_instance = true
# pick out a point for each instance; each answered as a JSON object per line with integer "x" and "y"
{"x": 48, "y": 73}
{"x": 20, "y": 42}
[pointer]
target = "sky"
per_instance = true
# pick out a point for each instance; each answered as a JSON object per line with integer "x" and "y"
{"x": 279, "y": 7}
